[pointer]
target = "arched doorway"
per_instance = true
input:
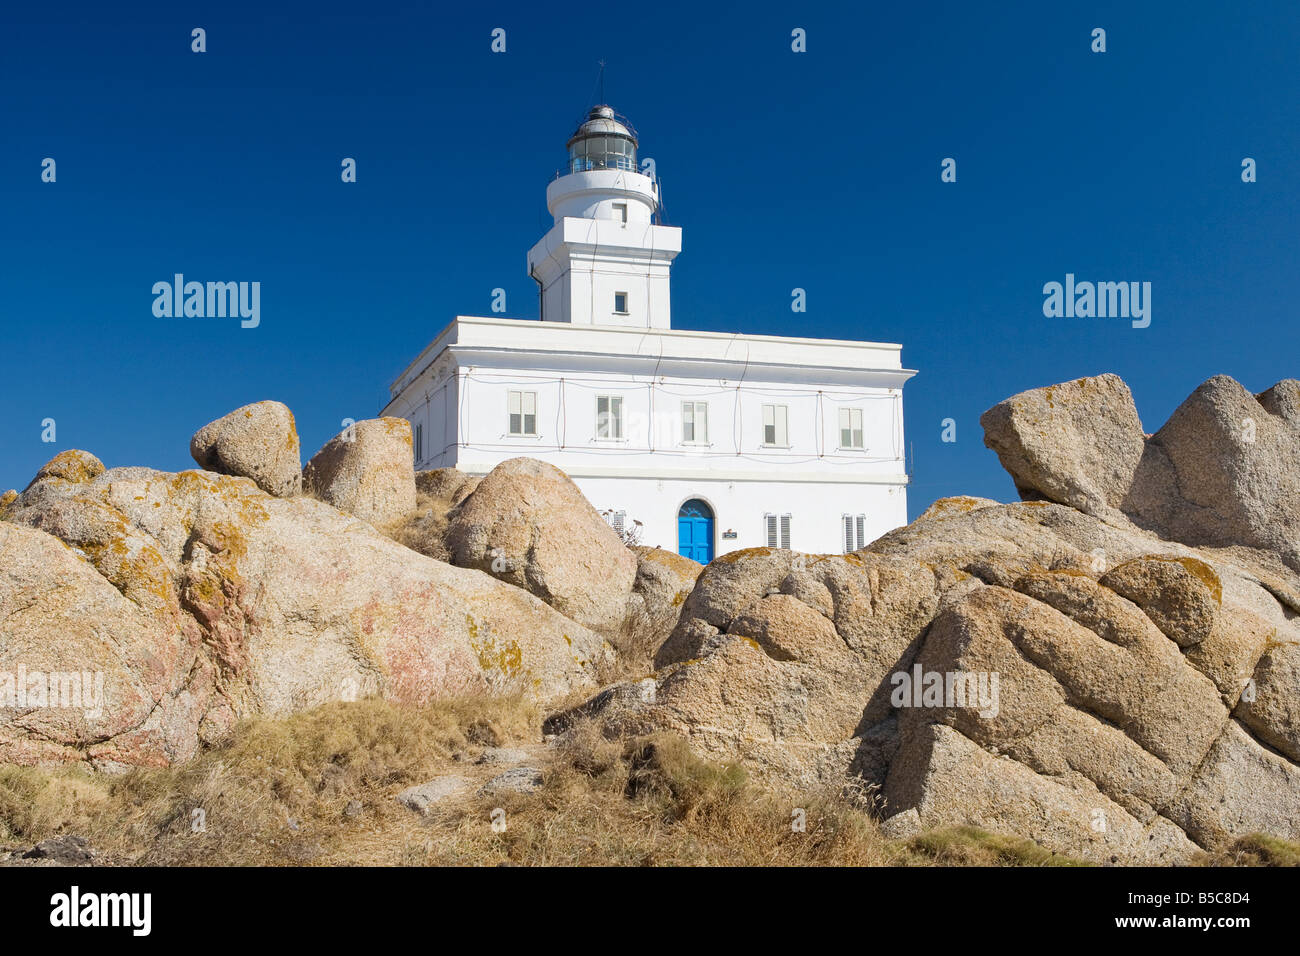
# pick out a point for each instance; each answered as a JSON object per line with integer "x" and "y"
{"x": 695, "y": 531}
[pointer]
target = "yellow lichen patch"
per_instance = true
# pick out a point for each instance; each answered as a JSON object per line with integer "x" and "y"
{"x": 1206, "y": 575}
{"x": 731, "y": 557}
{"x": 229, "y": 539}
{"x": 73, "y": 465}
{"x": 1273, "y": 642}
{"x": 400, "y": 428}
{"x": 1072, "y": 572}
{"x": 953, "y": 506}
{"x": 496, "y": 659}
{"x": 669, "y": 559}
{"x": 935, "y": 569}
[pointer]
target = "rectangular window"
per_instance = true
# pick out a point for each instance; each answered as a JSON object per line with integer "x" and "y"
{"x": 851, "y": 428}
{"x": 419, "y": 443}
{"x": 620, "y": 303}
{"x": 774, "y": 425}
{"x": 778, "y": 530}
{"x": 620, "y": 211}
{"x": 855, "y": 538}
{"x": 609, "y": 416}
{"x": 522, "y": 408}
{"x": 695, "y": 423}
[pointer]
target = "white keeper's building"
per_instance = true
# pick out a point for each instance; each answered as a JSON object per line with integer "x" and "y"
{"x": 702, "y": 442}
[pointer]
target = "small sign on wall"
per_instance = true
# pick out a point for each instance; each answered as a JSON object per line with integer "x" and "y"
{"x": 728, "y": 534}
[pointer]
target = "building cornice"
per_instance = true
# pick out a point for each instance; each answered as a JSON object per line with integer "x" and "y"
{"x": 501, "y": 338}
{"x": 713, "y": 474}
{"x": 733, "y": 371}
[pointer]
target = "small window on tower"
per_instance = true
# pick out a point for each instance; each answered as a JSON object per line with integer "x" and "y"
{"x": 620, "y": 212}
{"x": 620, "y": 303}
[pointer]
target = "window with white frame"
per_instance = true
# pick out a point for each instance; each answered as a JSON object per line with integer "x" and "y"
{"x": 855, "y": 527}
{"x": 774, "y": 425}
{"x": 620, "y": 211}
{"x": 620, "y": 303}
{"x": 609, "y": 416}
{"x": 522, "y": 412}
{"x": 778, "y": 530}
{"x": 695, "y": 423}
{"x": 851, "y": 428}
{"x": 419, "y": 443}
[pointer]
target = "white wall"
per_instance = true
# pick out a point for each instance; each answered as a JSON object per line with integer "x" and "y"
{"x": 815, "y": 509}
{"x": 650, "y": 472}
{"x": 581, "y": 263}
{"x": 457, "y": 390}
{"x": 430, "y": 406}
{"x": 592, "y": 194}
{"x": 652, "y": 442}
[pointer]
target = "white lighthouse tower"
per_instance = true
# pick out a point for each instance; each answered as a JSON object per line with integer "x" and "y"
{"x": 698, "y": 442}
{"x": 605, "y": 261}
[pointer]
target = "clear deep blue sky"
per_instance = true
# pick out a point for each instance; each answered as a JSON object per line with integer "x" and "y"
{"x": 818, "y": 170}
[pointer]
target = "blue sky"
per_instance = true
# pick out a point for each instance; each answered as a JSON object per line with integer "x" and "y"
{"x": 818, "y": 170}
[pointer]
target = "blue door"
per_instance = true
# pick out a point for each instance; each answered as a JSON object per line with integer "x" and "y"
{"x": 695, "y": 531}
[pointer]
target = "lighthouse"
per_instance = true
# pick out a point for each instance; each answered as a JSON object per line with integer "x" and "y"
{"x": 605, "y": 261}
{"x": 696, "y": 442}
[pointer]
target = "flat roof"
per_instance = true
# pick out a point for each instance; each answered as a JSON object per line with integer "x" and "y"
{"x": 534, "y": 335}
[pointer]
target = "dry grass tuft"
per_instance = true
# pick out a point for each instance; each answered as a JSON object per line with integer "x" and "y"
{"x": 636, "y": 640}
{"x": 1255, "y": 849}
{"x": 646, "y": 802}
{"x": 277, "y": 793}
{"x": 320, "y": 788}
{"x": 424, "y": 530}
{"x": 971, "y": 846}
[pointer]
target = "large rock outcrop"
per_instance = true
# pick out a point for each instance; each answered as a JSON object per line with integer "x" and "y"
{"x": 202, "y": 599}
{"x": 1116, "y": 673}
{"x": 1055, "y": 670}
{"x": 1220, "y": 472}
{"x": 84, "y": 670}
{"x": 527, "y": 523}
{"x": 664, "y": 580}
{"x": 258, "y": 441}
{"x": 1110, "y": 667}
{"x": 1078, "y": 443}
{"x": 367, "y": 470}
